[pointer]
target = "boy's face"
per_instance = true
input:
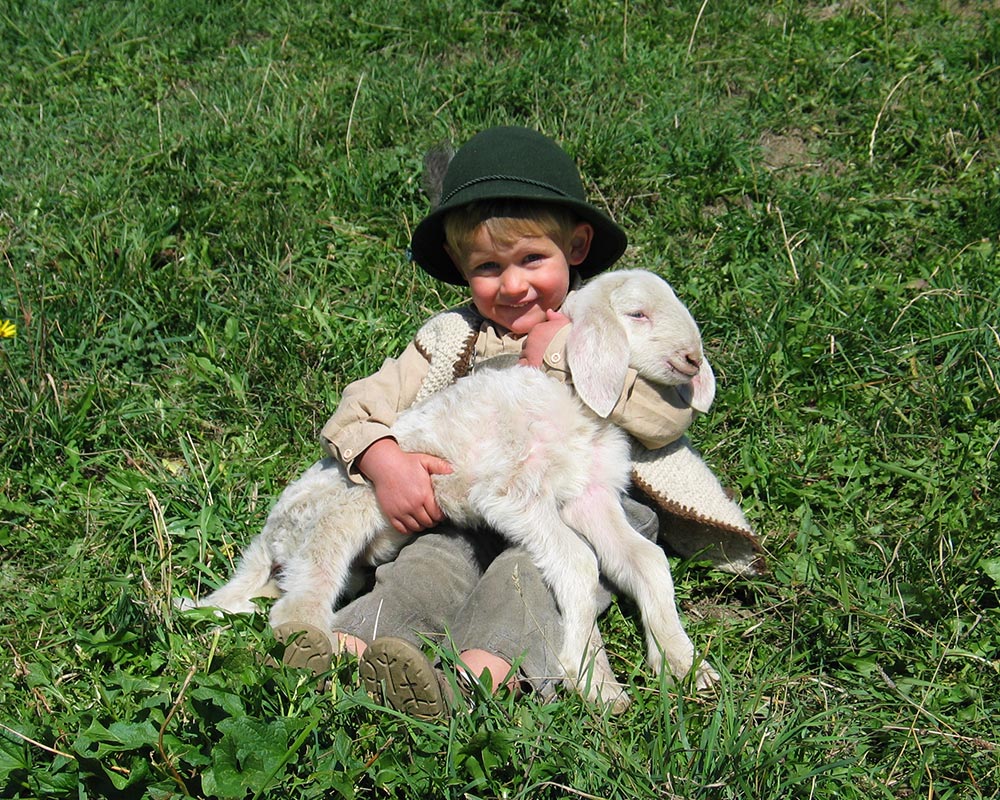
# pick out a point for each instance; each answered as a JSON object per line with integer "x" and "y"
{"x": 515, "y": 284}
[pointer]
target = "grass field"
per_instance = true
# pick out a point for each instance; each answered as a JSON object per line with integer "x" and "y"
{"x": 204, "y": 210}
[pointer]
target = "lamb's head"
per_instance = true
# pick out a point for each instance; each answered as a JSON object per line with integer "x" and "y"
{"x": 633, "y": 318}
{"x": 663, "y": 339}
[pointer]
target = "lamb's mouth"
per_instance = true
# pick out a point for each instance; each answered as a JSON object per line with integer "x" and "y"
{"x": 685, "y": 366}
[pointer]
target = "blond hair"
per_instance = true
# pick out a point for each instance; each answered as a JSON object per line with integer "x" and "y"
{"x": 506, "y": 221}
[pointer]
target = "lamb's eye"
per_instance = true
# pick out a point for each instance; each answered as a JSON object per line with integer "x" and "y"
{"x": 637, "y": 315}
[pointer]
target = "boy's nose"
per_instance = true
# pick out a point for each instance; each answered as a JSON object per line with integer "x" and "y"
{"x": 512, "y": 281}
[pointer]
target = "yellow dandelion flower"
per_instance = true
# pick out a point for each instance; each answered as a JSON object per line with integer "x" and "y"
{"x": 7, "y": 329}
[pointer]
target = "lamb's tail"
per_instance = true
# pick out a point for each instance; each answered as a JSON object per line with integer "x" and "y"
{"x": 253, "y": 578}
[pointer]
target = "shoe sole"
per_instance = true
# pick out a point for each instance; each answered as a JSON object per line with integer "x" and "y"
{"x": 306, "y": 647}
{"x": 397, "y": 673}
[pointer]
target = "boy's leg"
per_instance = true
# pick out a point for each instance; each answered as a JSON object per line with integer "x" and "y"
{"x": 415, "y": 597}
{"x": 512, "y": 614}
{"x": 419, "y": 594}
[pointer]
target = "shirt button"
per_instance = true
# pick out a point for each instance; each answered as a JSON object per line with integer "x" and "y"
{"x": 555, "y": 358}
{"x": 348, "y": 453}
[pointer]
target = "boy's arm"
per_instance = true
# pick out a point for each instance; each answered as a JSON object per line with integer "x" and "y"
{"x": 655, "y": 415}
{"x": 546, "y": 340}
{"x": 369, "y": 407}
{"x": 402, "y": 484}
{"x": 359, "y": 436}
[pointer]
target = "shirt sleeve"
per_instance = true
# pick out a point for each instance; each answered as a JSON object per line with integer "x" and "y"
{"x": 655, "y": 415}
{"x": 554, "y": 361}
{"x": 369, "y": 406}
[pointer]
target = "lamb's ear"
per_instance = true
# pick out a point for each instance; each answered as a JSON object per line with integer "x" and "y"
{"x": 598, "y": 354}
{"x": 436, "y": 161}
{"x": 703, "y": 386}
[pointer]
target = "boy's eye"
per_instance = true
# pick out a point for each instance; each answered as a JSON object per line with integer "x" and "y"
{"x": 489, "y": 268}
{"x": 533, "y": 257}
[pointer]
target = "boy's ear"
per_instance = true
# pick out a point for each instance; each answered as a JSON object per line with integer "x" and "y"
{"x": 579, "y": 243}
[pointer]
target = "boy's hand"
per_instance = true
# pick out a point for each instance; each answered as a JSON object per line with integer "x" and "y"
{"x": 402, "y": 483}
{"x": 539, "y": 337}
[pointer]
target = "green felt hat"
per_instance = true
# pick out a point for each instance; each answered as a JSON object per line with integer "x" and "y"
{"x": 518, "y": 164}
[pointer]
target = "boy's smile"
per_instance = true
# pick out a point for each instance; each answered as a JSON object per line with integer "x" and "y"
{"x": 514, "y": 284}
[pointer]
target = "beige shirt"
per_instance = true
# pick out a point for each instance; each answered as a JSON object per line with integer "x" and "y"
{"x": 654, "y": 415}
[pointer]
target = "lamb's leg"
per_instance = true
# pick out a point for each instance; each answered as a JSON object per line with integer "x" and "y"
{"x": 610, "y": 690}
{"x": 310, "y": 599}
{"x": 316, "y": 575}
{"x": 289, "y": 522}
{"x": 640, "y": 568}
{"x": 569, "y": 569}
{"x": 251, "y": 579}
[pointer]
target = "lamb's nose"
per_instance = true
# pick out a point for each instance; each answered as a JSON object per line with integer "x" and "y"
{"x": 687, "y": 363}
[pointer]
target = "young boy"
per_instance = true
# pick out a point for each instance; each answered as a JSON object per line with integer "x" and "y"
{"x": 513, "y": 225}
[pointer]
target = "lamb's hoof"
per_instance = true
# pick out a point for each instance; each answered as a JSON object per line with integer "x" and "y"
{"x": 607, "y": 693}
{"x": 306, "y": 647}
{"x": 705, "y": 677}
{"x": 184, "y": 604}
{"x": 618, "y": 703}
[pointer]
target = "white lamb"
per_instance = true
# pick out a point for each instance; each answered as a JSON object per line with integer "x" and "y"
{"x": 532, "y": 462}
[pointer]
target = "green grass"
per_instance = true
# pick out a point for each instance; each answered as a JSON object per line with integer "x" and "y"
{"x": 204, "y": 209}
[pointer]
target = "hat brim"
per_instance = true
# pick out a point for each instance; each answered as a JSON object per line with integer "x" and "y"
{"x": 427, "y": 244}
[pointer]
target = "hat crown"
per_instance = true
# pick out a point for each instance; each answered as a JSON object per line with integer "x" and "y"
{"x": 510, "y": 155}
